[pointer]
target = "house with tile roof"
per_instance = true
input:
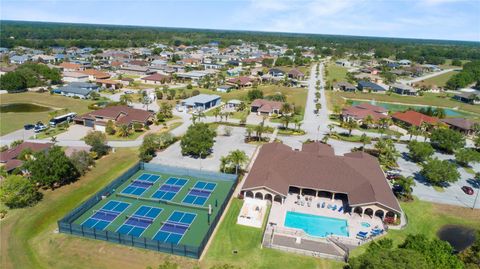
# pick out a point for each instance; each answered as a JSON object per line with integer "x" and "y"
{"x": 414, "y": 118}
{"x": 360, "y": 112}
{"x": 8, "y": 158}
{"x": 262, "y": 106}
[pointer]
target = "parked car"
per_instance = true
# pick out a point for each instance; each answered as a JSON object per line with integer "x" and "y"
{"x": 39, "y": 127}
{"x": 29, "y": 126}
{"x": 467, "y": 190}
{"x": 128, "y": 92}
{"x": 393, "y": 176}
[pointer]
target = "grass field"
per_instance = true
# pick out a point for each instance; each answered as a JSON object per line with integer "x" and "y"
{"x": 427, "y": 218}
{"x": 335, "y": 72}
{"x": 440, "y": 80}
{"x": 199, "y": 226}
{"x": 246, "y": 241}
{"x": 14, "y": 121}
{"x": 429, "y": 99}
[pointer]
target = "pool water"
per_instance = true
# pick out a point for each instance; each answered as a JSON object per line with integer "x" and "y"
{"x": 318, "y": 226}
{"x": 365, "y": 224}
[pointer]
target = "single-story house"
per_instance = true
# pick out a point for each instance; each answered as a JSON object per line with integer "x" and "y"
{"x": 120, "y": 115}
{"x": 344, "y": 86}
{"x": 79, "y": 89}
{"x": 240, "y": 82}
{"x": 275, "y": 72}
{"x": 9, "y": 157}
{"x": 472, "y": 97}
{"x": 108, "y": 83}
{"x": 70, "y": 67}
{"x": 360, "y": 112}
{"x": 201, "y": 102}
{"x": 403, "y": 89}
{"x": 234, "y": 103}
{"x": 74, "y": 77}
{"x": 280, "y": 173}
{"x": 19, "y": 59}
{"x": 156, "y": 78}
{"x": 262, "y": 106}
{"x": 404, "y": 62}
{"x": 95, "y": 74}
{"x": 193, "y": 75}
{"x": 414, "y": 118}
{"x": 368, "y": 86}
{"x": 296, "y": 74}
{"x": 133, "y": 69}
{"x": 225, "y": 88}
{"x": 462, "y": 125}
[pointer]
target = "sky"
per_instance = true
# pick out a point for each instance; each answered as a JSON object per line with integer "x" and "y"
{"x": 426, "y": 19}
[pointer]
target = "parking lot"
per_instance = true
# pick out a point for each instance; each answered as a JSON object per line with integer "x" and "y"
{"x": 223, "y": 145}
{"x": 452, "y": 195}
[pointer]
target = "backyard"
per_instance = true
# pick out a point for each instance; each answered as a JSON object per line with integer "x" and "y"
{"x": 427, "y": 218}
{"x": 440, "y": 80}
{"x": 335, "y": 73}
{"x": 428, "y": 99}
{"x": 15, "y": 120}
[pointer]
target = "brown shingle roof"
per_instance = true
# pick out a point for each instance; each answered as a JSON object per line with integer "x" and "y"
{"x": 266, "y": 105}
{"x": 358, "y": 174}
{"x": 12, "y": 153}
{"x": 156, "y": 77}
{"x": 461, "y": 123}
{"x": 120, "y": 114}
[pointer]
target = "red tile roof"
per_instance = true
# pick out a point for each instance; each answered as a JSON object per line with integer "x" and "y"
{"x": 414, "y": 118}
{"x": 68, "y": 65}
{"x": 97, "y": 74}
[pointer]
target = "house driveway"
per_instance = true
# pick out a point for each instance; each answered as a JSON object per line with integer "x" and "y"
{"x": 223, "y": 145}
{"x": 75, "y": 132}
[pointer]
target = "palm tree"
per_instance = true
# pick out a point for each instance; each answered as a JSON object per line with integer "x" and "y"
{"x": 249, "y": 131}
{"x": 286, "y": 108}
{"x": 286, "y": 120}
{"x": 238, "y": 158}
{"x": 330, "y": 128}
{"x": 365, "y": 140}
{"x": 412, "y": 130}
{"x": 259, "y": 129}
{"x": 368, "y": 121}
{"x": 126, "y": 99}
{"x": 350, "y": 125}
{"x": 123, "y": 130}
{"x": 406, "y": 183}
{"x": 216, "y": 112}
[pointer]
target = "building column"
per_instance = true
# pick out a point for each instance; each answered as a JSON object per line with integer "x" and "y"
{"x": 333, "y": 196}
{"x": 395, "y": 217}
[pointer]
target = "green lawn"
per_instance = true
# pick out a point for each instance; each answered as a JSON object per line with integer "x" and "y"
{"x": 14, "y": 121}
{"x": 427, "y": 218}
{"x": 132, "y": 136}
{"x": 440, "y": 80}
{"x": 335, "y": 72}
{"x": 246, "y": 241}
{"x": 428, "y": 99}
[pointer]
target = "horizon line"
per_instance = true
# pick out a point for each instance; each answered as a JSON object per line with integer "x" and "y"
{"x": 240, "y": 30}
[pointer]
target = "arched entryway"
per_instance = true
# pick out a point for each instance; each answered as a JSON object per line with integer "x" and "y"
{"x": 249, "y": 194}
{"x": 358, "y": 210}
{"x": 380, "y": 213}
{"x": 268, "y": 197}
{"x": 278, "y": 199}
{"x": 259, "y": 195}
{"x": 368, "y": 212}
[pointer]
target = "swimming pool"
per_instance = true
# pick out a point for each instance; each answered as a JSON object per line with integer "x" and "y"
{"x": 318, "y": 226}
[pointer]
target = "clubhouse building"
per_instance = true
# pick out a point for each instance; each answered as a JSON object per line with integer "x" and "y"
{"x": 354, "y": 181}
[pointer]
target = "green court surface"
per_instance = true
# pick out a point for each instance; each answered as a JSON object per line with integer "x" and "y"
{"x": 193, "y": 205}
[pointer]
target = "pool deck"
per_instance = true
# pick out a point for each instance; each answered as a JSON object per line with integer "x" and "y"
{"x": 278, "y": 213}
